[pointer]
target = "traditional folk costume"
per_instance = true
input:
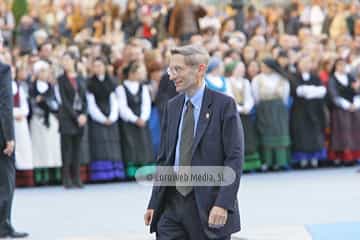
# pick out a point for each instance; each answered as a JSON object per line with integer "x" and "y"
{"x": 307, "y": 119}
{"x": 216, "y": 82}
{"x": 271, "y": 93}
{"x": 23, "y": 151}
{"x": 345, "y": 124}
{"x": 105, "y": 148}
{"x": 45, "y": 136}
{"x": 242, "y": 93}
{"x": 135, "y": 102}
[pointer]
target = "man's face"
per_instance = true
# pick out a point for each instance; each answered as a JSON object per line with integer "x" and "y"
{"x": 183, "y": 76}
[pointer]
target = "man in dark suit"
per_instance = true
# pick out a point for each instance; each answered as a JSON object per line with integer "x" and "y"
{"x": 7, "y": 145}
{"x": 200, "y": 127}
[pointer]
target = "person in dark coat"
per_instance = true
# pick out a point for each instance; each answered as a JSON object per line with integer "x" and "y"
{"x": 7, "y": 146}
{"x": 202, "y": 128}
{"x": 72, "y": 119}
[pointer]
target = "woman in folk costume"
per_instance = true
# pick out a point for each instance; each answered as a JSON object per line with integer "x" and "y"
{"x": 72, "y": 118}
{"x": 44, "y": 126}
{"x": 344, "y": 92}
{"x": 214, "y": 78}
{"x": 104, "y": 136}
{"x": 23, "y": 152}
{"x": 307, "y": 118}
{"x": 242, "y": 92}
{"x": 135, "y": 108}
{"x": 271, "y": 92}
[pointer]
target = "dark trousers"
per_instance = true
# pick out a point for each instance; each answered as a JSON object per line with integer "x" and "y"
{"x": 70, "y": 153}
{"x": 7, "y": 187}
{"x": 180, "y": 219}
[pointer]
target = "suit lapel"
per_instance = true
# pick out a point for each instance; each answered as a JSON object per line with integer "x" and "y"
{"x": 175, "y": 115}
{"x": 204, "y": 118}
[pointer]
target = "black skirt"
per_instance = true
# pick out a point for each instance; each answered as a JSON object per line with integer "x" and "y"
{"x": 345, "y": 130}
{"x": 307, "y": 127}
{"x": 136, "y": 144}
{"x": 104, "y": 142}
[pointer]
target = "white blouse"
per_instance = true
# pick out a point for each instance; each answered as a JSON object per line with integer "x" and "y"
{"x": 126, "y": 113}
{"x": 242, "y": 85}
{"x": 310, "y": 91}
{"x": 95, "y": 112}
{"x": 340, "y": 101}
{"x": 271, "y": 83}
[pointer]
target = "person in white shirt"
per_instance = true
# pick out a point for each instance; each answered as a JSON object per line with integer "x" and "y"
{"x": 307, "y": 121}
{"x": 344, "y": 93}
{"x": 135, "y": 108}
{"x": 23, "y": 152}
{"x": 44, "y": 126}
{"x": 106, "y": 162}
{"x": 240, "y": 90}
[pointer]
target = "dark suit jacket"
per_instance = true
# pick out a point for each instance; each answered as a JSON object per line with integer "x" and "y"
{"x": 218, "y": 142}
{"x": 6, "y": 107}
{"x": 67, "y": 115}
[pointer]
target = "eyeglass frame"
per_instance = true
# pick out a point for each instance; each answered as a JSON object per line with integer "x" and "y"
{"x": 171, "y": 71}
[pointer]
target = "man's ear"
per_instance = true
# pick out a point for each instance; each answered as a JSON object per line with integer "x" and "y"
{"x": 202, "y": 68}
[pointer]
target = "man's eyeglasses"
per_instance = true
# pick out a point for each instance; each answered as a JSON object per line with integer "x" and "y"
{"x": 171, "y": 71}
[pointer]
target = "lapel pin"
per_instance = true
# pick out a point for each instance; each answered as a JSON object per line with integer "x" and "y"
{"x": 207, "y": 115}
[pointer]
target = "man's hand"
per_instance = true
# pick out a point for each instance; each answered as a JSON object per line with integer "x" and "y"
{"x": 9, "y": 149}
{"x": 82, "y": 120}
{"x": 148, "y": 216}
{"x": 217, "y": 217}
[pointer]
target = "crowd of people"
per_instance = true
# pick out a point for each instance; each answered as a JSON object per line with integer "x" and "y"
{"x": 90, "y": 83}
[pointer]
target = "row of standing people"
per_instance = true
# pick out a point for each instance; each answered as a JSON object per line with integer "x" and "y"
{"x": 285, "y": 114}
{"x": 98, "y": 120}
{"x": 276, "y": 135}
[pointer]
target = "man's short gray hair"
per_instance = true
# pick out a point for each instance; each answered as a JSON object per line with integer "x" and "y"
{"x": 193, "y": 54}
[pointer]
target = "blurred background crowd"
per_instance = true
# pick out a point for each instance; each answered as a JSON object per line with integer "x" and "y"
{"x": 91, "y": 81}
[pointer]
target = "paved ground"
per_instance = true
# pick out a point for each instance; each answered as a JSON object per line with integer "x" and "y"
{"x": 273, "y": 206}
